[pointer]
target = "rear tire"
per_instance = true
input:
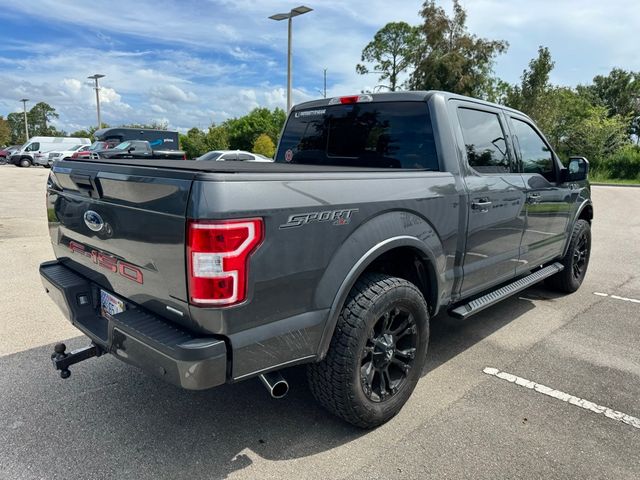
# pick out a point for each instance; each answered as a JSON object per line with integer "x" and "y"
{"x": 377, "y": 352}
{"x": 575, "y": 261}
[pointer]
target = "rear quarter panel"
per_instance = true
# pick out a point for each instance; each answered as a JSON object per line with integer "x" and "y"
{"x": 299, "y": 271}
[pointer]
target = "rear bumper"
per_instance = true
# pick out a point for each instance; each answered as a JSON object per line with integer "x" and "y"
{"x": 137, "y": 336}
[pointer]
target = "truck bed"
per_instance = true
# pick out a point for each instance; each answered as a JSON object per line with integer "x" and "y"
{"x": 234, "y": 167}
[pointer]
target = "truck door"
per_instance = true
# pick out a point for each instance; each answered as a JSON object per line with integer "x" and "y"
{"x": 495, "y": 197}
{"x": 549, "y": 203}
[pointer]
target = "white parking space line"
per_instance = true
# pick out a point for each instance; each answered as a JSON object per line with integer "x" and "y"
{"x": 565, "y": 397}
{"x": 616, "y": 297}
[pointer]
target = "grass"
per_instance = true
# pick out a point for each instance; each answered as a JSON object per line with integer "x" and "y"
{"x": 595, "y": 178}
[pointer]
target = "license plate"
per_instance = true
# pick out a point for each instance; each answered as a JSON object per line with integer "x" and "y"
{"x": 109, "y": 304}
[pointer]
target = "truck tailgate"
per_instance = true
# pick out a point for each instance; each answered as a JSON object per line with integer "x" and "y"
{"x": 123, "y": 227}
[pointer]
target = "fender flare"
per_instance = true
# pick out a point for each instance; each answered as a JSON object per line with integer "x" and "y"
{"x": 418, "y": 234}
{"x": 587, "y": 203}
{"x": 583, "y": 205}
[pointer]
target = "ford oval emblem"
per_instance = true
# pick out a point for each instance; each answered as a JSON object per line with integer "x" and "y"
{"x": 93, "y": 220}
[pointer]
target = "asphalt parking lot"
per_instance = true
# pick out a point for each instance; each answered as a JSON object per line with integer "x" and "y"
{"x": 112, "y": 421}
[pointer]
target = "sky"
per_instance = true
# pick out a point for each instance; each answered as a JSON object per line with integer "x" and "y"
{"x": 193, "y": 62}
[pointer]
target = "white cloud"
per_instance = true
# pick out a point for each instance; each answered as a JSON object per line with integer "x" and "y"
{"x": 194, "y": 65}
{"x": 172, "y": 93}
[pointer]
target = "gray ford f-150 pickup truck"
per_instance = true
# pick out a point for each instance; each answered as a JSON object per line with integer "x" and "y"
{"x": 379, "y": 212}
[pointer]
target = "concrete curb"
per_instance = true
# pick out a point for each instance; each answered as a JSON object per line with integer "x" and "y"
{"x": 632, "y": 185}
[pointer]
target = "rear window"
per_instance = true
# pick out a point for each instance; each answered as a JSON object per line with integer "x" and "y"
{"x": 372, "y": 135}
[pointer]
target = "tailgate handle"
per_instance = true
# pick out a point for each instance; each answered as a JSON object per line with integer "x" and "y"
{"x": 87, "y": 183}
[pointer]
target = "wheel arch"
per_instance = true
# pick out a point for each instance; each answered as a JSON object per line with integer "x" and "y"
{"x": 416, "y": 240}
{"x": 584, "y": 212}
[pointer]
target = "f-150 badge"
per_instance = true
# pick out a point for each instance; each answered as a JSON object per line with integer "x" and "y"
{"x": 336, "y": 217}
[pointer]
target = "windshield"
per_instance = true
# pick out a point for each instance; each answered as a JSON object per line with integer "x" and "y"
{"x": 123, "y": 146}
{"x": 373, "y": 135}
{"x": 210, "y": 156}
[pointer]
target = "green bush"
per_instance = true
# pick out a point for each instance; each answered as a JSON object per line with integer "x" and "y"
{"x": 624, "y": 164}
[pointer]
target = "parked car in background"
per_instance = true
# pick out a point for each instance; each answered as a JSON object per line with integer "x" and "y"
{"x": 6, "y": 152}
{"x": 36, "y": 150}
{"x": 94, "y": 147}
{"x": 158, "y": 139}
{"x": 67, "y": 152}
{"x": 139, "y": 149}
{"x": 233, "y": 155}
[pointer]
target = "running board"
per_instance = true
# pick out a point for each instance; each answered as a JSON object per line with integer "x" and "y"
{"x": 491, "y": 298}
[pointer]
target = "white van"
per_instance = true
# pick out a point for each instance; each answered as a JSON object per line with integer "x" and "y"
{"x": 36, "y": 150}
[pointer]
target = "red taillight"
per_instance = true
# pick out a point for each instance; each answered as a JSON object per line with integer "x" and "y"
{"x": 349, "y": 99}
{"x": 184, "y": 156}
{"x": 218, "y": 258}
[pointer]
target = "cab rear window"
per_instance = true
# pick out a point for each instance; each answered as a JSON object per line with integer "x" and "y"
{"x": 371, "y": 135}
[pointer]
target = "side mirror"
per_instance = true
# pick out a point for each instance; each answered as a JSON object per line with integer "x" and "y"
{"x": 578, "y": 169}
{"x": 131, "y": 149}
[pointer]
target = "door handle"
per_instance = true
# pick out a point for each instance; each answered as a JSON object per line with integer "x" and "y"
{"x": 533, "y": 198}
{"x": 481, "y": 204}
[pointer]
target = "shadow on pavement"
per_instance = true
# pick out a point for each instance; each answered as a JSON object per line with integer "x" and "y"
{"x": 111, "y": 420}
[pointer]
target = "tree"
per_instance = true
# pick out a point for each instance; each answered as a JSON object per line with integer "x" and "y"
{"x": 39, "y": 117}
{"x": 244, "y": 131}
{"x": 572, "y": 119}
{"x": 619, "y": 92}
{"x": 535, "y": 95}
{"x": 217, "y": 138}
{"x": 155, "y": 125}
{"x": 450, "y": 58}
{"x": 5, "y": 132}
{"x": 597, "y": 136}
{"x": 264, "y": 146}
{"x": 193, "y": 143}
{"x": 16, "y": 125}
{"x": 391, "y": 52}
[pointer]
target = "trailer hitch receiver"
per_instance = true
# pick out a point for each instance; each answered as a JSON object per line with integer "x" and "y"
{"x": 63, "y": 360}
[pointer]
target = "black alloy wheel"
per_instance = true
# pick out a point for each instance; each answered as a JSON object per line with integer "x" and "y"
{"x": 389, "y": 354}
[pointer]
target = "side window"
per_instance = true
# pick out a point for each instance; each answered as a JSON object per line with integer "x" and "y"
{"x": 484, "y": 140}
{"x": 229, "y": 156}
{"x": 34, "y": 147}
{"x": 536, "y": 155}
{"x": 244, "y": 157}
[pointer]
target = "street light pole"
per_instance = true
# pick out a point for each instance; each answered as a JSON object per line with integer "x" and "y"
{"x": 97, "y": 89}
{"x": 26, "y": 124}
{"x": 325, "y": 84}
{"x": 289, "y": 65}
{"x": 289, "y": 16}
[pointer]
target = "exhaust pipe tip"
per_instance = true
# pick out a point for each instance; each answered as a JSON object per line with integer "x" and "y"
{"x": 275, "y": 384}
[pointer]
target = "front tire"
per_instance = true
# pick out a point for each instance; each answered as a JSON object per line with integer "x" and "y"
{"x": 25, "y": 162}
{"x": 575, "y": 261}
{"x": 377, "y": 352}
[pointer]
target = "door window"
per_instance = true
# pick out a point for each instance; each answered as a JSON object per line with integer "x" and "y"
{"x": 484, "y": 140}
{"x": 243, "y": 157}
{"x": 535, "y": 154}
{"x": 35, "y": 146}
